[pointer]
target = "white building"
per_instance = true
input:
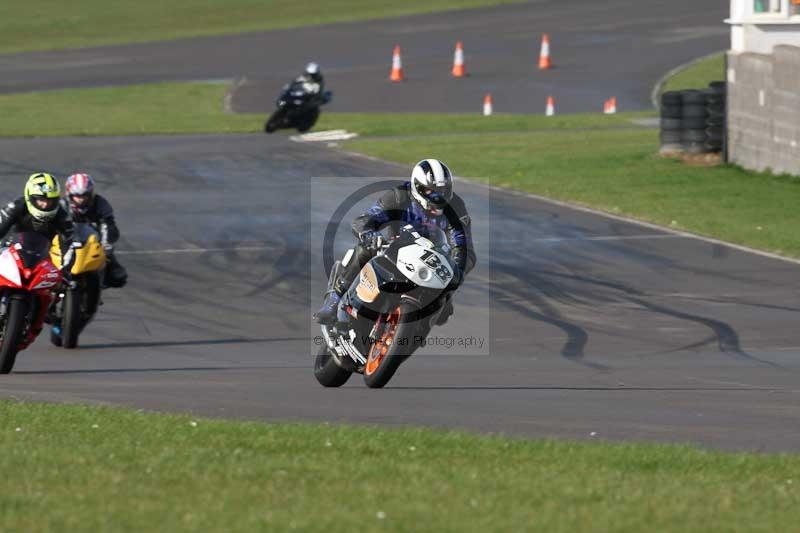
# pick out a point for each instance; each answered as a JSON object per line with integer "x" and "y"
{"x": 758, "y": 25}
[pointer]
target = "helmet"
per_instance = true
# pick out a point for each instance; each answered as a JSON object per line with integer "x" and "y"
{"x": 313, "y": 72}
{"x": 42, "y": 193}
{"x": 432, "y": 185}
{"x": 80, "y": 192}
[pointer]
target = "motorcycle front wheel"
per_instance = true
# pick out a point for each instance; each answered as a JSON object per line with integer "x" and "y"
{"x": 327, "y": 372}
{"x": 12, "y": 331}
{"x": 400, "y": 339}
{"x": 71, "y": 321}
{"x": 274, "y": 122}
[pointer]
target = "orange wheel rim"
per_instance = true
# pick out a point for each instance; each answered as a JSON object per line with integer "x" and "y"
{"x": 380, "y": 348}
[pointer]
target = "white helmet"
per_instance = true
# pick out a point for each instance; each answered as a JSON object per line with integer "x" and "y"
{"x": 432, "y": 185}
{"x": 312, "y": 70}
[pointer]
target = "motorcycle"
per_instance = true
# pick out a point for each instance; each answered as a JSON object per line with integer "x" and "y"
{"x": 76, "y": 305}
{"x": 387, "y": 312}
{"x": 27, "y": 279}
{"x": 298, "y": 107}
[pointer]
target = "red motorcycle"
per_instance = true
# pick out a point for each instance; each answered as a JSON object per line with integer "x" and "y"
{"x": 27, "y": 279}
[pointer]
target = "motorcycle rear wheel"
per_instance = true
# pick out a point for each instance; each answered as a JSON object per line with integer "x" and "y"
{"x": 15, "y": 322}
{"x": 327, "y": 372}
{"x": 397, "y": 344}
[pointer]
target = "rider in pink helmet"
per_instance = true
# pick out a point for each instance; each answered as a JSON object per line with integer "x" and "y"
{"x": 88, "y": 207}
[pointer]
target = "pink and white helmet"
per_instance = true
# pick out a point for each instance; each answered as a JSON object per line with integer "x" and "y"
{"x": 80, "y": 192}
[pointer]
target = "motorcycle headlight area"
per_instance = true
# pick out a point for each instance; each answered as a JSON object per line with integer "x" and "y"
{"x": 424, "y": 274}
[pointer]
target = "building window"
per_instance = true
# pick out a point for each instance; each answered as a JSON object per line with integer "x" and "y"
{"x": 794, "y": 8}
{"x": 767, "y": 6}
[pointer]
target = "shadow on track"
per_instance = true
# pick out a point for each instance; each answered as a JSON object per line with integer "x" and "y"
{"x": 210, "y": 342}
{"x": 138, "y": 370}
{"x": 593, "y": 389}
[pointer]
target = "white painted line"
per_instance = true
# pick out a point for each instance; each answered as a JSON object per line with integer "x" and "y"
{"x": 609, "y": 238}
{"x": 195, "y": 250}
{"x": 575, "y": 207}
{"x": 322, "y": 136}
{"x": 620, "y": 218}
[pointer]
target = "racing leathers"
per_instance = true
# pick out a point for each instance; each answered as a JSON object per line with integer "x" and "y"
{"x": 100, "y": 215}
{"x": 15, "y": 218}
{"x": 395, "y": 209}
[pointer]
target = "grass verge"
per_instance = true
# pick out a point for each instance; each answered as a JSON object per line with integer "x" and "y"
{"x": 74, "y": 468}
{"x": 601, "y": 161}
{"x": 697, "y": 75}
{"x": 52, "y": 24}
{"x": 617, "y": 170}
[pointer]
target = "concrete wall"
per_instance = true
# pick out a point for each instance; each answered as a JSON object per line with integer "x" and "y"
{"x": 764, "y": 110}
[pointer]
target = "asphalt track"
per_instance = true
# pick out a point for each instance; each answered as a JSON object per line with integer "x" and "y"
{"x": 593, "y": 328}
{"x": 597, "y": 328}
{"x": 600, "y": 49}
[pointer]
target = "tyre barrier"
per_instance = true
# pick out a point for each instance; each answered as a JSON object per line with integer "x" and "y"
{"x": 693, "y": 121}
{"x": 671, "y": 123}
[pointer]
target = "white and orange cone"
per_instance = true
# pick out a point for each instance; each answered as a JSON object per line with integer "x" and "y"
{"x": 397, "y": 65}
{"x": 487, "y": 105}
{"x": 550, "y": 110}
{"x": 458, "y": 61}
{"x": 544, "y": 54}
{"x": 611, "y": 106}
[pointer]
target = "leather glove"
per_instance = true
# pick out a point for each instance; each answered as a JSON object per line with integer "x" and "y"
{"x": 371, "y": 239}
{"x": 458, "y": 279}
{"x": 66, "y": 277}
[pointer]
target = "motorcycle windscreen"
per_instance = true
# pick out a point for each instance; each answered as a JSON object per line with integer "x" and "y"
{"x": 34, "y": 248}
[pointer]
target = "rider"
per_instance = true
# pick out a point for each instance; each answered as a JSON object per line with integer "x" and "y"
{"x": 311, "y": 80}
{"x": 426, "y": 200}
{"x": 88, "y": 207}
{"x": 39, "y": 211}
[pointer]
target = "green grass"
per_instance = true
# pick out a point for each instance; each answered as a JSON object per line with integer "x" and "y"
{"x": 51, "y": 24}
{"x": 617, "y": 170}
{"x": 601, "y": 161}
{"x": 133, "y": 110}
{"x": 73, "y": 468}
{"x": 697, "y": 75}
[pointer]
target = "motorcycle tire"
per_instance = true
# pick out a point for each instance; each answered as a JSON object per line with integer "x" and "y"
{"x": 270, "y": 127}
{"x": 71, "y": 321}
{"x": 308, "y": 120}
{"x": 12, "y": 331}
{"x": 406, "y": 339}
{"x": 92, "y": 294}
{"x": 327, "y": 372}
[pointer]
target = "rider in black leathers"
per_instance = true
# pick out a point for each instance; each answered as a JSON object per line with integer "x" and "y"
{"x": 39, "y": 211}
{"x": 86, "y": 206}
{"x": 426, "y": 200}
{"x": 312, "y": 83}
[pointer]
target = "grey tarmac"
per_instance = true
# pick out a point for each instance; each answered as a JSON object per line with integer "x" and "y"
{"x": 599, "y": 49}
{"x": 595, "y": 328}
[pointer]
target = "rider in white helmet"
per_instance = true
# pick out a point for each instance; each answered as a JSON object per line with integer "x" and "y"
{"x": 426, "y": 200}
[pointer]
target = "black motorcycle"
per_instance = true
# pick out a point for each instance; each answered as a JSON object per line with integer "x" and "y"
{"x": 298, "y": 107}
{"x": 387, "y": 312}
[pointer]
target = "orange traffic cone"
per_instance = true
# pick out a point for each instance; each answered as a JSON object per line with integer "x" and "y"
{"x": 550, "y": 110}
{"x": 458, "y": 61}
{"x": 487, "y": 105}
{"x": 397, "y": 65}
{"x": 611, "y": 106}
{"x": 544, "y": 55}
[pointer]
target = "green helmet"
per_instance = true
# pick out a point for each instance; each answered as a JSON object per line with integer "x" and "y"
{"x": 42, "y": 193}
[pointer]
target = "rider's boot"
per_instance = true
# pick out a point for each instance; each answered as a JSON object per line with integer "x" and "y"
{"x": 327, "y": 313}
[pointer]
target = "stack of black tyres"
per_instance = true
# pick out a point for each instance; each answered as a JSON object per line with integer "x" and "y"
{"x": 715, "y": 121}
{"x": 670, "y": 135}
{"x": 694, "y": 117}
